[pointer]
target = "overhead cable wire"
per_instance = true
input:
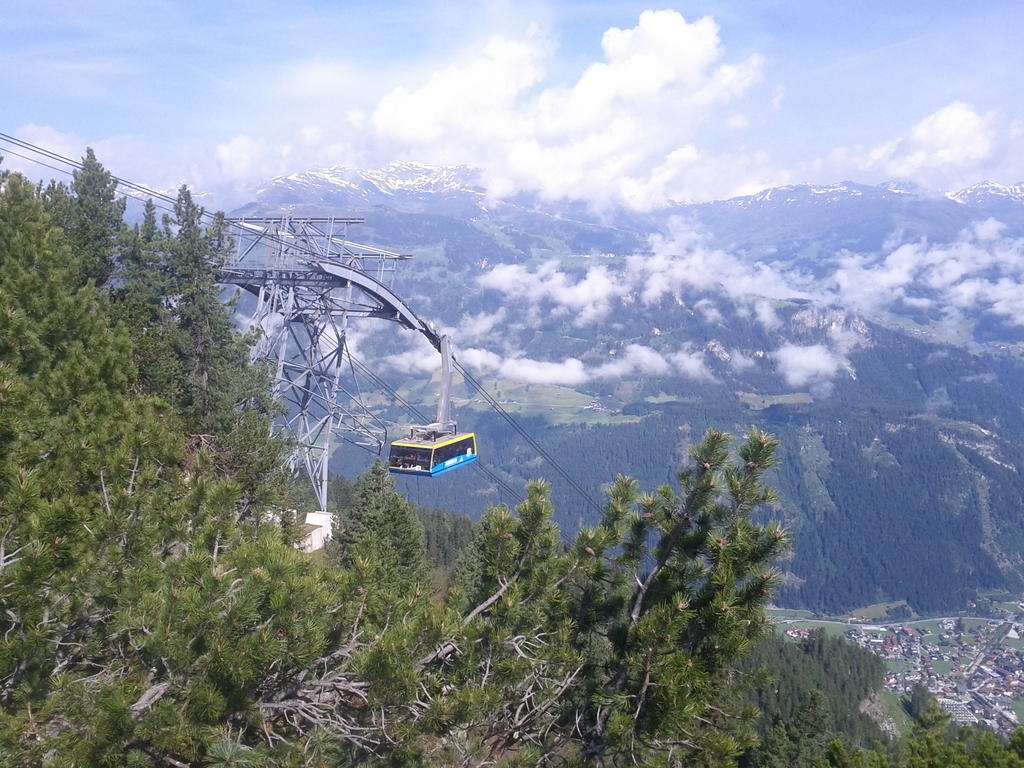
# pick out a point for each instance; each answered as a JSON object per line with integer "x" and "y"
{"x": 66, "y": 172}
{"x": 78, "y": 166}
{"x": 526, "y": 435}
{"x": 502, "y": 485}
{"x": 36, "y": 160}
{"x": 139, "y": 188}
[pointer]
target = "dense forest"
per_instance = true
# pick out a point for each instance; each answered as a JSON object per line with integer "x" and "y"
{"x": 823, "y": 675}
{"x": 852, "y": 480}
{"x": 154, "y": 610}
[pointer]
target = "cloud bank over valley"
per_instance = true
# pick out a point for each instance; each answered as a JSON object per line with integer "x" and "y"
{"x": 688, "y": 310}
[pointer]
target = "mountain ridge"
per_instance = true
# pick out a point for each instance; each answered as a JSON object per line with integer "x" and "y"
{"x": 396, "y": 178}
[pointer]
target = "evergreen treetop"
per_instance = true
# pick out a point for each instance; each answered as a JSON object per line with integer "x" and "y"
{"x": 94, "y": 219}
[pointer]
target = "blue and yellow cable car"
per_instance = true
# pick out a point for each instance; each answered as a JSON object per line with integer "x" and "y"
{"x": 436, "y": 448}
{"x": 422, "y": 454}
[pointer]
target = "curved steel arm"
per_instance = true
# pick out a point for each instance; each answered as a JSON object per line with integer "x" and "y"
{"x": 387, "y": 298}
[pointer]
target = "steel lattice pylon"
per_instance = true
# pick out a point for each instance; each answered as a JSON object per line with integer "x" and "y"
{"x": 308, "y": 280}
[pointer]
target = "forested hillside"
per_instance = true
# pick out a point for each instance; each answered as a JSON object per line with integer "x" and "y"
{"x": 818, "y": 689}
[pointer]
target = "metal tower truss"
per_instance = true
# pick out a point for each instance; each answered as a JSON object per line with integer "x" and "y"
{"x": 309, "y": 280}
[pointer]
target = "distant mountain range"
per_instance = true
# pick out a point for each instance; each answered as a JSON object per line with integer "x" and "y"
{"x": 986, "y": 193}
{"x": 400, "y": 182}
{"x": 799, "y": 223}
{"x": 877, "y": 329}
{"x": 410, "y": 187}
{"x": 806, "y": 233}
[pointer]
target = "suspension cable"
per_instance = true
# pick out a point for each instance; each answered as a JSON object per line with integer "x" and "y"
{"x": 141, "y": 189}
{"x": 526, "y": 435}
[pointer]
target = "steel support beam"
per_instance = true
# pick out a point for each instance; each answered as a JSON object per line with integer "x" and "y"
{"x": 308, "y": 280}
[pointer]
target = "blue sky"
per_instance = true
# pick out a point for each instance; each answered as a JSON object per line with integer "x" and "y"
{"x": 607, "y": 101}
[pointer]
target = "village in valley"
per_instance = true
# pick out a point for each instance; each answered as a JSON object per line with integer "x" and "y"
{"x": 972, "y": 665}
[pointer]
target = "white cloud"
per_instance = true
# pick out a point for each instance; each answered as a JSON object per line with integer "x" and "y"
{"x": 955, "y": 135}
{"x": 242, "y": 158}
{"x": 684, "y": 260}
{"x": 477, "y": 326}
{"x": 482, "y": 360}
{"x": 917, "y": 302}
{"x": 691, "y": 364}
{"x": 635, "y": 359}
{"x": 58, "y": 142}
{"x": 765, "y": 314}
{"x": 468, "y": 97}
{"x": 844, "y": 339}
{"x": 624, "y": 131}
{"x": 741, "y": 362}
{"x": 946, "y": 149}
{"x": 570, "y": 372}
{"x": 708, "y": 311}
{"x": 589, "y": 297}
{"x": 814, "y": 365}
{"x": 988, "y": 230}
{"x": 980, "y": 271}
{"x": 420, "y": 357}
{"x": 681, "y": 261}
{"x": 867, "y": 286}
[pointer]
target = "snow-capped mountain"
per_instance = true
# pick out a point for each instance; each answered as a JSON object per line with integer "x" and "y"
{"x": 409, "y": 187}
{"x": 999, "y": 200}
{"x": 401, "y": 185}
{"x": 417, "y": 178}
{"x": 821, "y": 194}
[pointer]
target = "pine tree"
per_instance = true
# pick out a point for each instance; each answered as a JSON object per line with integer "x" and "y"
{"x": 811, "y": 730}
{"x": 628, "y": 639}
{"x": 149, "y": 230}
{"x": 78, "y": 453}
{"x": 94, "y": 219}
{"x": 381, "y": 526}
{"x": 113, "y": 524}
{"x": 142, "y": 307}
{"x": 57, "y": 202}
{"x": 207, "y": 374}
{"x": 213, "y": 357}
{"x": 918, "y": 702}
{"x": 140, "y": 274}
{"x": 677, "y": 615}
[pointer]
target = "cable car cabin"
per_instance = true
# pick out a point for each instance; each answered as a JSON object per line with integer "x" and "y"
{"x": 426, "y": 453}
